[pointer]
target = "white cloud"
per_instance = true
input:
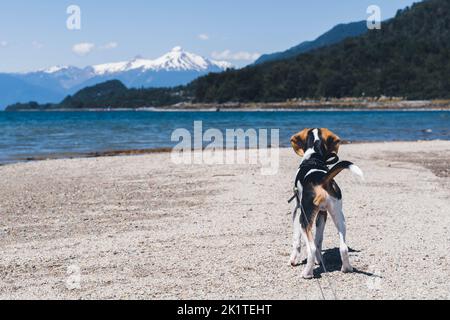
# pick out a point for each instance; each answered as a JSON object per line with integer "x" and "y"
{"x": 3, "y": 44}
{"x": 238, "y": 56}
{"x": 37, "y": 45}
{"x": 83, "y": 48}
{"x": 203, "y": 37}
{"x": 110, "y": 45}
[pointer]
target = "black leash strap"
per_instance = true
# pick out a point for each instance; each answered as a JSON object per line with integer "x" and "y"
{"x": 293, "y": 197}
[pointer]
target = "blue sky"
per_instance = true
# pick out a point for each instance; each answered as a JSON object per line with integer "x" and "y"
{"x": 33, "y": 34}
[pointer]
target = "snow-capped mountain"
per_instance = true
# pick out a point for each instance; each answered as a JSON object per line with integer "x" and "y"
{"x": 175, "y": 60}
{"x": 175, "y": 68}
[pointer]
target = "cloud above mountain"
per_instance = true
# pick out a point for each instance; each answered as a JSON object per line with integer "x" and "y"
{"x": 83, "y": 49}
{"x": 110, "y": 45}
{"x": 236, "y": 56}
{"x": 203, "y": 37}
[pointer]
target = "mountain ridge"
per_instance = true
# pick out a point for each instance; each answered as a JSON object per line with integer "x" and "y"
{"x": 175, "y": 68}
{"x": 336, "y": 34}
{"x": 408, "y": 57}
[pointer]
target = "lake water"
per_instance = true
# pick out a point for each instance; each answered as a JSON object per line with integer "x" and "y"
{"x": 34, "y": 134}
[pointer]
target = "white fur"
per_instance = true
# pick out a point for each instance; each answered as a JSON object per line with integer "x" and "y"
{"x": 300, "y": 190}
{"x": 357, "y": 171}
{"x": 295, "y": 259}
{"x": 308, "y": 154}
{"x": 308, "y": 272}
{"x": 297, "y": 244}
{"x": 314, "y": 170}
{"x": 337, "y": 214}
{"x": 316, "y": 135}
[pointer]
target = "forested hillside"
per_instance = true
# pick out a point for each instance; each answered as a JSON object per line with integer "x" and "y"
{"x": 408, "y": 57}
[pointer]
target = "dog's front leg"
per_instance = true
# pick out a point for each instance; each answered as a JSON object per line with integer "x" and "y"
{"x": 295, "y": 259}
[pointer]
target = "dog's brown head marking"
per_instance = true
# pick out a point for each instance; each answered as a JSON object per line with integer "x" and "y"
{"x": 305, "y": 139}
{"x": 298, "y": 142}
{"x": 331, "y": 141}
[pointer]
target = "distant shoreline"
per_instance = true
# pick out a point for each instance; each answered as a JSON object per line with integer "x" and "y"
{"x": 331, "y": 109}
{"x": 344, "y": 104}
{"x": 86, "y": 155}
{"x": 332, "y": 105}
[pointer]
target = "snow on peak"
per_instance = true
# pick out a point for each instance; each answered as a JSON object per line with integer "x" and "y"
{"x": 176, "y": 60}
{"x": 55, "y": 69}
{"x": 116, "y": 67}
{"x": 177, "y": 49}
{"x": 223, "y": 64}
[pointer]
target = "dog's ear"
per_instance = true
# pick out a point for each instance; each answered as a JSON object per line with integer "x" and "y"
{"x": 332, "y": 141}
{"x": 298, "y": 142}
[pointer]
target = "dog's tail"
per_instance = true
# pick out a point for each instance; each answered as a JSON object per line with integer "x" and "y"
{"x": 341, "y": 166}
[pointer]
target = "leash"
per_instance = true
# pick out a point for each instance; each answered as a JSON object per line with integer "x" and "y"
{"x": 294, "y": 196}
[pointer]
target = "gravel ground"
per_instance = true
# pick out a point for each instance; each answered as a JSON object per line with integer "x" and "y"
{"x": 141, "y": 227}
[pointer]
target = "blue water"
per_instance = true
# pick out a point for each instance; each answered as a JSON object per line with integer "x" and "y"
{"x": 25, "y": 135}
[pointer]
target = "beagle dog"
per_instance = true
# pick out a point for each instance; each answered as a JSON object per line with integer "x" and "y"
{"x": 318, "y": 195}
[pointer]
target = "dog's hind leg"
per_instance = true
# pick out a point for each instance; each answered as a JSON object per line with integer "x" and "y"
{"x": 320, "y": 228}
{"x": 295, "y": 259}
{"x": 308, "y": 217}
{"x": 308, "y": 272}
{"x": 336, "y": 212}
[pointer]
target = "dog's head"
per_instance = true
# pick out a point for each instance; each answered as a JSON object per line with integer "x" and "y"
{"x": 322, "y": 141}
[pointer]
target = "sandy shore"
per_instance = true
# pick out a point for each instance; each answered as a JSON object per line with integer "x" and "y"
{"x": 141, "y": 227}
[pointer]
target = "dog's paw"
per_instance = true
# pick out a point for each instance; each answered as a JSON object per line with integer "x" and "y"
{"x": 308, "y": 275}
{"x": 317, "y": 260}
{"x": 295, "y": 260}
{"x": 347, "y": 269}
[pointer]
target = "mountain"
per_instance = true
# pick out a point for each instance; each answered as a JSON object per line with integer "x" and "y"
{"x": 409, "y": 57}
{"x": 109, "y": 95}
{"x": 14, "y": 90}
{"x": 175, "y": 68}
{"x": 335, "y": 35}
{"x": 176, "y": 60}
{"x": 172, "y": 69}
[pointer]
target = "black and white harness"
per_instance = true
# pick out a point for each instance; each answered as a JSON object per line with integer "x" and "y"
{"x": 315, "y": 163}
